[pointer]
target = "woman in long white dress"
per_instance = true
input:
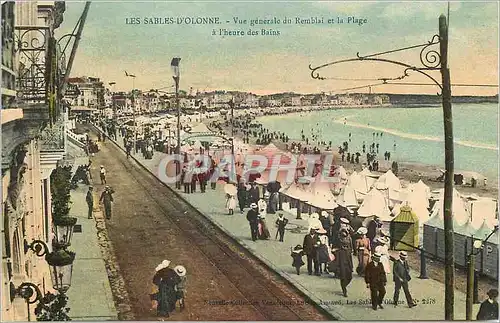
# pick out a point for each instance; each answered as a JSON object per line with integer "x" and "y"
{"x": 382, "y": 248}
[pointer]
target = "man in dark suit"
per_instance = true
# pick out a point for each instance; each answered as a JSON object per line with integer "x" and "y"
{"x": 310, "y": 249}
{"x": 90, "y": 201}
{"x": 253, "y": 220}
{"x": 489, "y": 308}
{"x": 401, "y": 275}
{"x": 376, "y": 279}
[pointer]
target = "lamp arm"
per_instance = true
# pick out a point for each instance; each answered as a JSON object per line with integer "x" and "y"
{"x": 27, "y": 291}
{"x": 39, "y": 247}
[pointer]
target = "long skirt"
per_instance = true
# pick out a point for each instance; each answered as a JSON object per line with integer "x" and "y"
{"x": 263, "y": 231}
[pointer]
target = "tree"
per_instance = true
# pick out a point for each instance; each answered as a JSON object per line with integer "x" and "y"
{"x": 52, "y": 308}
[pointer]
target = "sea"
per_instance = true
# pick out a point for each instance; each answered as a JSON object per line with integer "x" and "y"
{"x": 411, "y": 134}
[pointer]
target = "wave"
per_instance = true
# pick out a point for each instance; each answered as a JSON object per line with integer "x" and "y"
{"x": 401, "y": 134}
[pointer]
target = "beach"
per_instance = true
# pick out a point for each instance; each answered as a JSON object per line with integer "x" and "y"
{"x": 408, "y": 171}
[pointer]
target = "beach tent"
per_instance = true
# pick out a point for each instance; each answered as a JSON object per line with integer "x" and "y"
{"x": 388, "y": 180}
{"x": 357, "y": 182}
{"x": 421, "y": 188}
{"x": 375, "y": 203}
{"x": 270, "y": 152}
{"x": 481, "y": 209}
{"x": 348, "y": 197}
{"x": 323, "y": 197}
{"x": 404, "y": 230}
{"x": 459, "y": 211}
{"x": 419, "y": 204}
{"x": 197, "y": 145}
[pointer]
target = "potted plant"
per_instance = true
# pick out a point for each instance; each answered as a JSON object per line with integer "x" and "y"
{"x": 52, "y": 308}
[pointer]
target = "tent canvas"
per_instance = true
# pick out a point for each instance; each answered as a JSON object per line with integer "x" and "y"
{"x": 375, "y": 204}
{"x": 480, "y": 210}
{"x": 389, "y": 180}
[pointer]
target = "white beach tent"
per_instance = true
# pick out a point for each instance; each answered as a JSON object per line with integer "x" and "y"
{"x": 357, "y": 182}
{"x": 420, "y": 187}
{"x": 419, "y": 203}
{"x": 375, "y": 203}
{"x": 348, "y": 197}
{"x": 197, "y": 145}
{"x": 481, "y": 210}
{"x": 459, "y": 211}
{"x": 388, "y": 180}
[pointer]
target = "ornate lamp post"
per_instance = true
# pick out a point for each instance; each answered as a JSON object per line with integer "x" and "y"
{"x": 177, "y": 76}
{"x": 61, "y": 269}
{"x": 431, "y": 60}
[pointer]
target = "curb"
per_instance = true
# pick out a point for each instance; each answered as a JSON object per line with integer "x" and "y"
{"x": 325, "y": 309}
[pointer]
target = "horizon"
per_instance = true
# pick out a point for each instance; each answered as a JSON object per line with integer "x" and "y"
{"x": 275, "y": 64}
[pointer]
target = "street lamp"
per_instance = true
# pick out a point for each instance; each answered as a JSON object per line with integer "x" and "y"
{"x": 133, "y": 107}
{"x": 61, "y": 269}
{"x": 63, "y": 227}
{"x": 176, "y": 76}
{"x": 477, "y": 246}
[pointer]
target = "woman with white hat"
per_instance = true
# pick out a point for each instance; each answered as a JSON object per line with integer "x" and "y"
{"x": 382, "y": 248}
{"x": 362, "y": 250}
{"x": 165, "y": 279}
{"x": 263, "y": 230}
{"x": 180, "y": 288}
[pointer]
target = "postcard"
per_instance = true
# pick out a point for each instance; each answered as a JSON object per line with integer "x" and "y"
{"x": 249, "y": 161}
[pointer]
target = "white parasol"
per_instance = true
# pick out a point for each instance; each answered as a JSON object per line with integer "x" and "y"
{"x": 230, "y": 189}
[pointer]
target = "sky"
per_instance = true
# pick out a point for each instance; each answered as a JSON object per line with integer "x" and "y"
{"x": 265, "y": 64}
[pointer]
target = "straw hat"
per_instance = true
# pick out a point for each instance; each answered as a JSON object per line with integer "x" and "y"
{"x": 324, "y": 214}
{"x": 102, "y": 166}
{"x": 321, "y": 231}
{"x": 297, "y": 249}
{"x": 180, "y": 270}
{"x": 253, "y": 205}
{"x": 164, "y": 264}
{"x": 376, "y": 256}
{"x": 403, "y": 254}
{"x": 382, "y": 240}
{"x": 362, "y": 230}
{"x": 344, "y": 220}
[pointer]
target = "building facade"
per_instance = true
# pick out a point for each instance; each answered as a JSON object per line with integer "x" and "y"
{"x": 33, "y": 142}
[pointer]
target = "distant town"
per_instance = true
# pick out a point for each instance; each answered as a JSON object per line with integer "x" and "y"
{"x": 94, "y": 94}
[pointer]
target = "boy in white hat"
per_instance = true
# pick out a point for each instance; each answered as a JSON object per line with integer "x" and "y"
{"x": 401, "y": 275}
{"x": 180, "y": 288}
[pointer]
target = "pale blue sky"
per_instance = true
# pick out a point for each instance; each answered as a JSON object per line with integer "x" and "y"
{"x": 265, "y": 64}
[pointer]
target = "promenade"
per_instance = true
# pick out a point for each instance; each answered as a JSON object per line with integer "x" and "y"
{"x": 90, "y": 297}
{"x": 324, "y": 290}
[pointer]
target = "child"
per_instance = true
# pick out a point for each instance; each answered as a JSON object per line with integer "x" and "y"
{"x": 180, "y": 288}
{"x": 281, "y": 223}
{"x": 297, "y": 254}
{"x": 230, "y": 203}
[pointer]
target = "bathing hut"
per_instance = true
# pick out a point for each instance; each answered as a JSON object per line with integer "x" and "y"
{"x": 404, "y": 230}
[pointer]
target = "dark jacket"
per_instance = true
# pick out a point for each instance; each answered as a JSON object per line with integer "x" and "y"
{"x": 401, "y": 272}
{"x": 253, "y": 216}
{"x": 356, "y": 223}
{"x": 107, "y": 197}
{"x": 372, "y": 229}
{"x": 375, "y": 274}
{"x": 309, "y": 244}
{"x": 281, "y": 223}
{"x": 297, "y": 259}
{"x": 488, "y": 311}
{"x": 90, "y": 198}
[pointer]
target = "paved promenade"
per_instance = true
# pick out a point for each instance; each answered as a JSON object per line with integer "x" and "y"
{"x": 324, "y": 290}
{"x": 90, "y": 297}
